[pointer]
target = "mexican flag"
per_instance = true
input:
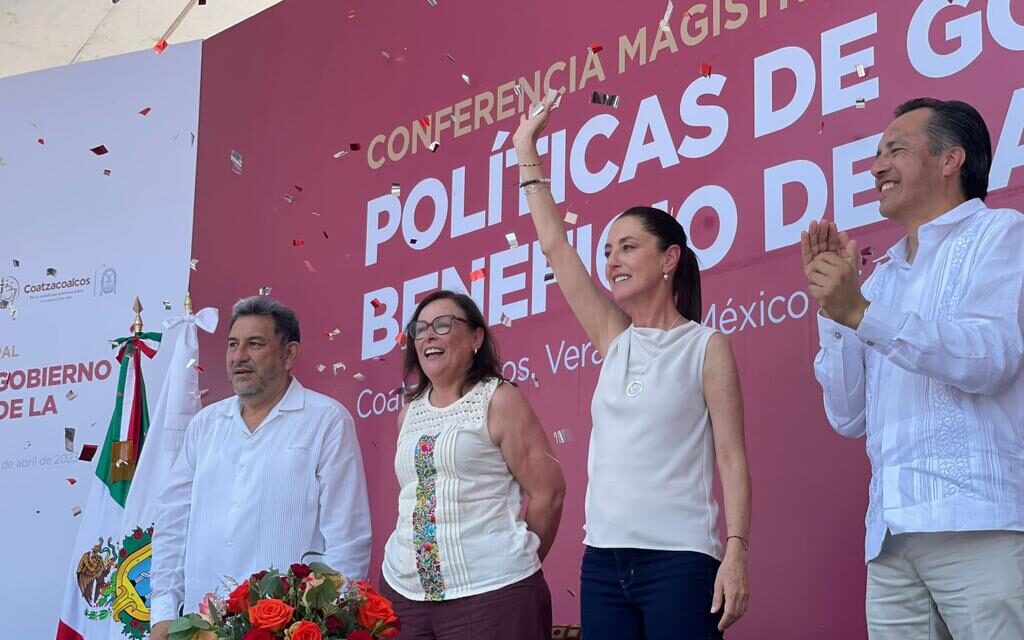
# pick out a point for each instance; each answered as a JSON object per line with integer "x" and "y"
{"x": 107, "y": 591}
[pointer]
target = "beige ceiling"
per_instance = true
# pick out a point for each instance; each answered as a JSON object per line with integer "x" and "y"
{"x": 38, "y": 34}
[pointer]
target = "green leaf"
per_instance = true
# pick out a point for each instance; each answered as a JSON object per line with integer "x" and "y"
{"x": 270, "y": 585}
{"x": 310, "y": 553}
{"x": 181, "y": 624}
{"x": 323, "y": 569}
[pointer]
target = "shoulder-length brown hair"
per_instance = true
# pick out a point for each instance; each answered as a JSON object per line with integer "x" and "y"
{"x": 486, "y": 363}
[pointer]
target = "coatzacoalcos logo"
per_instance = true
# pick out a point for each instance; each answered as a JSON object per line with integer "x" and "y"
{"x": 8, "y": 291}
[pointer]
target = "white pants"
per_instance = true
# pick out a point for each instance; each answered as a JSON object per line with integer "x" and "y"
{"x": 943, "y": 586}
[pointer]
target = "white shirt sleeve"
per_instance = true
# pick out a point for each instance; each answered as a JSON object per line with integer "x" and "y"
{"x": 979, "y": 348}
{"x": 170, "y": 532}
{"x": 839, "y": 369}
{"x": 344, "y": 506}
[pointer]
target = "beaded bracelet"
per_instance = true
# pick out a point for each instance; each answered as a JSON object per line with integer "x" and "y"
{"x": 523, "y": 185}
{"x": 532, "y": 164}
{"x": 743, "y": 541}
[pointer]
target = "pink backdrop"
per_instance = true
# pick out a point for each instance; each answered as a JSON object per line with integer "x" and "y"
{"x": 300, "y": 82}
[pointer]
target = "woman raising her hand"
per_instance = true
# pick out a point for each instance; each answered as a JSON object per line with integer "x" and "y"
{"x": 666, "y": 409}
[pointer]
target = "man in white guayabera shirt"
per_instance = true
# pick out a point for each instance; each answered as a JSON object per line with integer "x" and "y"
{"x": 925, "y": 359}
{"x": 264, "y": 476}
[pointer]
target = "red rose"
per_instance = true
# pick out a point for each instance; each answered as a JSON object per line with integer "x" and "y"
{"x": 259, "y": 576}
{"x": 258, "y": 634}
{"x": 376, "y": 609}
{"x": 334, "y": 624}
{"x": 238, "y": 600}
{"x": 300, "y": 571}
{"x": 359, "y": 634}
{"x": 304, "y": 630}
{"x": 286, "y": 584}
{"x": 138, "y": 535}
{"x": 270, "y": 614}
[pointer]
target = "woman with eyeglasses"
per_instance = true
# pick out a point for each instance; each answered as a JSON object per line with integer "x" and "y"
{"x": 463, "y": 562}
{"x": 666, "y": 411}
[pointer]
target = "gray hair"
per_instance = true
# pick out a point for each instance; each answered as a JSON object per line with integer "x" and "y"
{"x": 286, "y": 324}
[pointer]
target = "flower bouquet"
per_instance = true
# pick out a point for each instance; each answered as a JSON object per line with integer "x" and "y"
{"x": 308, "y": 602}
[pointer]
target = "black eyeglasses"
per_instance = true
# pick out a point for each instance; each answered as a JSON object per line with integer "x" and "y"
{"x": 417, "y": 329}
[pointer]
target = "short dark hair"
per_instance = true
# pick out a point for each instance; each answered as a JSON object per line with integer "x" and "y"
{"x": 686, "y": 280}
{"x": 286, "y": 324}
{"x": 957, "y": 124}
{"x": 486, "y": 363}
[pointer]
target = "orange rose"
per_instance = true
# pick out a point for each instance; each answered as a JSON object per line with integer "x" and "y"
{"x": 238, "y": 600}
{"x": 377, "y": 609}
{"x": 270, "y": 614}
{"x": 304, "y": 630}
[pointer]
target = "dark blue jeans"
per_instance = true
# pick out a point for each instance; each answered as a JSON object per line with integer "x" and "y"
{"x": 640, "y": 594}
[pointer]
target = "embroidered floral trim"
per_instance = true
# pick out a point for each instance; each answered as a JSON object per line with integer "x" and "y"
{"x": 424, "y": 522}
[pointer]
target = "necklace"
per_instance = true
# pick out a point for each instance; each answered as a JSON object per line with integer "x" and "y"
{"x": 636, "y": 385}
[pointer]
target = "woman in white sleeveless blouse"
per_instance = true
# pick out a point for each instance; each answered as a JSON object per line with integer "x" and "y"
{"x": 666, "y": 409}
{"x": 463, "y": 562}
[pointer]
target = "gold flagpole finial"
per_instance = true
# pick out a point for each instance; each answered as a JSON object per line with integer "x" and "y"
{"x": 137, "y": 325}
{"x": 188, "y": 303}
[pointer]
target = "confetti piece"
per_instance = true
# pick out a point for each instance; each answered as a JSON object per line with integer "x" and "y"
{"x": 606, "y": 99}
{"x": 340, "y": 154}
{"x": 861, "y": 71}
{"x": 70, "y": 395}
{"x": 41, "y": 141}
{"x": 355, "y": 146}
{"x": 465, "y": 78}
{"x": 668, "y": 14}
{"x": 338, "y": 365}
{"x": 351, "y": 14}
{"x": 51, "y": 272}
{"x": 400, "y": 339}
{"x": 106, "y": 172}
{"x": 861, "y": 103}
{"x": 705, "y": 69}
{"x": 145, "y": 112}
{"x": 517, "y": 89}
{"x": 563, "y": 436}
{"x": 309, "y": 265}
{"x": 198, "y": 394}
{"x": 535, "y": 381}
{"x": 432, "y": 3}
{"x": 548, "y": 277}
{"x": 570, "y": 217}
{"x": 571, "y": 592}
{"x": 72, "y": 481}
{"x": 320, "y": 368}
{"x": 289, "y": 198}
{"x": 479, "y": 274}
{"x": 16, "y": 263}
{"x": 76, "y": 511}
{"x": 160, "y": 46}
{"x": 265, "y": 291}
{"x": 333, "y": 333}
{"x": 69, "y": 439}
{"x": 359, "y": 376}
{"x": 377, "y": 304}
{"x": 387, "y": 56}
{"x": 298, "y": 243}
{"x": 396, "y": 189}
{"x": 595, "y": 47}
{"x": 167, "y": 305}
{"x": 236, "y": 161}
{"x": 505, "y": 320}
{"x": 434, "y": 145}
{"x": 425, "y": 122}
{"x": 449, "y": 56}
{"x": 88, "y": 452}
{"x": 326, "y": 237}
{"x": 191, "y": 363}
{"x": 512, "y": 241}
